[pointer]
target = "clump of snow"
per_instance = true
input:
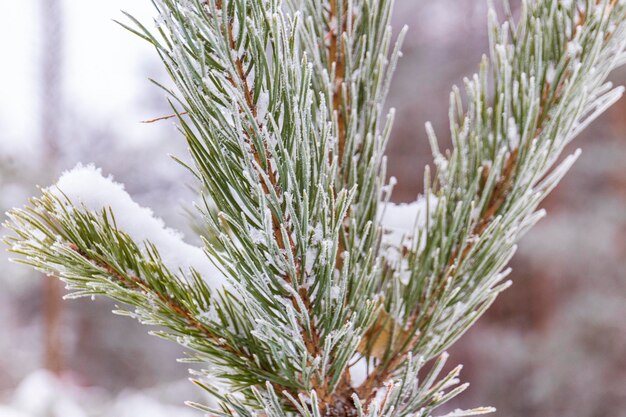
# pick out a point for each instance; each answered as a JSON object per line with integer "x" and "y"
{"x": 513, "y": 134}
{"x": 86, "y": 186}
{"x": 262, "y": 106}
{"x": 258, "y": 236}
{"x": 335, "y": 292}
{"x": 318, "y": 234}
{"x": 441, "y": 162}
{"x": 404, "y": 227}
{"x": 358, "y": 373}
{"x": 400, "y": 221}
{"x": 574, "y": 48}
{"x": 311, "y": 260}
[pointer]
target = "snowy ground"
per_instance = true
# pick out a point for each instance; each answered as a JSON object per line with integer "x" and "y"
{"x": 41, "y": 394}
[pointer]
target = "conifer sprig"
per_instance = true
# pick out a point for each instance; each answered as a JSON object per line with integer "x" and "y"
{"x": 549, "y": 71}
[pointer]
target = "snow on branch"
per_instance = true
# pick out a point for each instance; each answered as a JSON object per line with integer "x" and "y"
{"x": 85, "y": 186}
{"x": 401, "y": 221}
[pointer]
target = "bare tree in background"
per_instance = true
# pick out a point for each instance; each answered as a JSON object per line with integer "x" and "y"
{"x": 50, "y": 124}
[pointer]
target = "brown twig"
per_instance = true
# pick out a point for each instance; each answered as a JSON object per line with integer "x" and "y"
{"x": 170, "y": 116}
{"x": 339, "y": 402}
{"x": 336, "y": 56}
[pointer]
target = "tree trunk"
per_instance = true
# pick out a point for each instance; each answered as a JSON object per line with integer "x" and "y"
{"x": 51, "y": 110}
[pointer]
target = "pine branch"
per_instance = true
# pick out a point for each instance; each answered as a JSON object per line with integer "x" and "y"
{"x": 93, "y": 257}
{"x": 274, "y": 184}
{"x": 350, "y": 51}
{"x": 520, "y": 159}
{"x": 283, "y": 118}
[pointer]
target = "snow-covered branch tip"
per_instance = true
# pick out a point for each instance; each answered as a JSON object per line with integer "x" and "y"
{"x": 85, "y": 187}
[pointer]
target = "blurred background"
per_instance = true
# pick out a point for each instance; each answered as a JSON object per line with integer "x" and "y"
{"x": 74, "y": 88}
